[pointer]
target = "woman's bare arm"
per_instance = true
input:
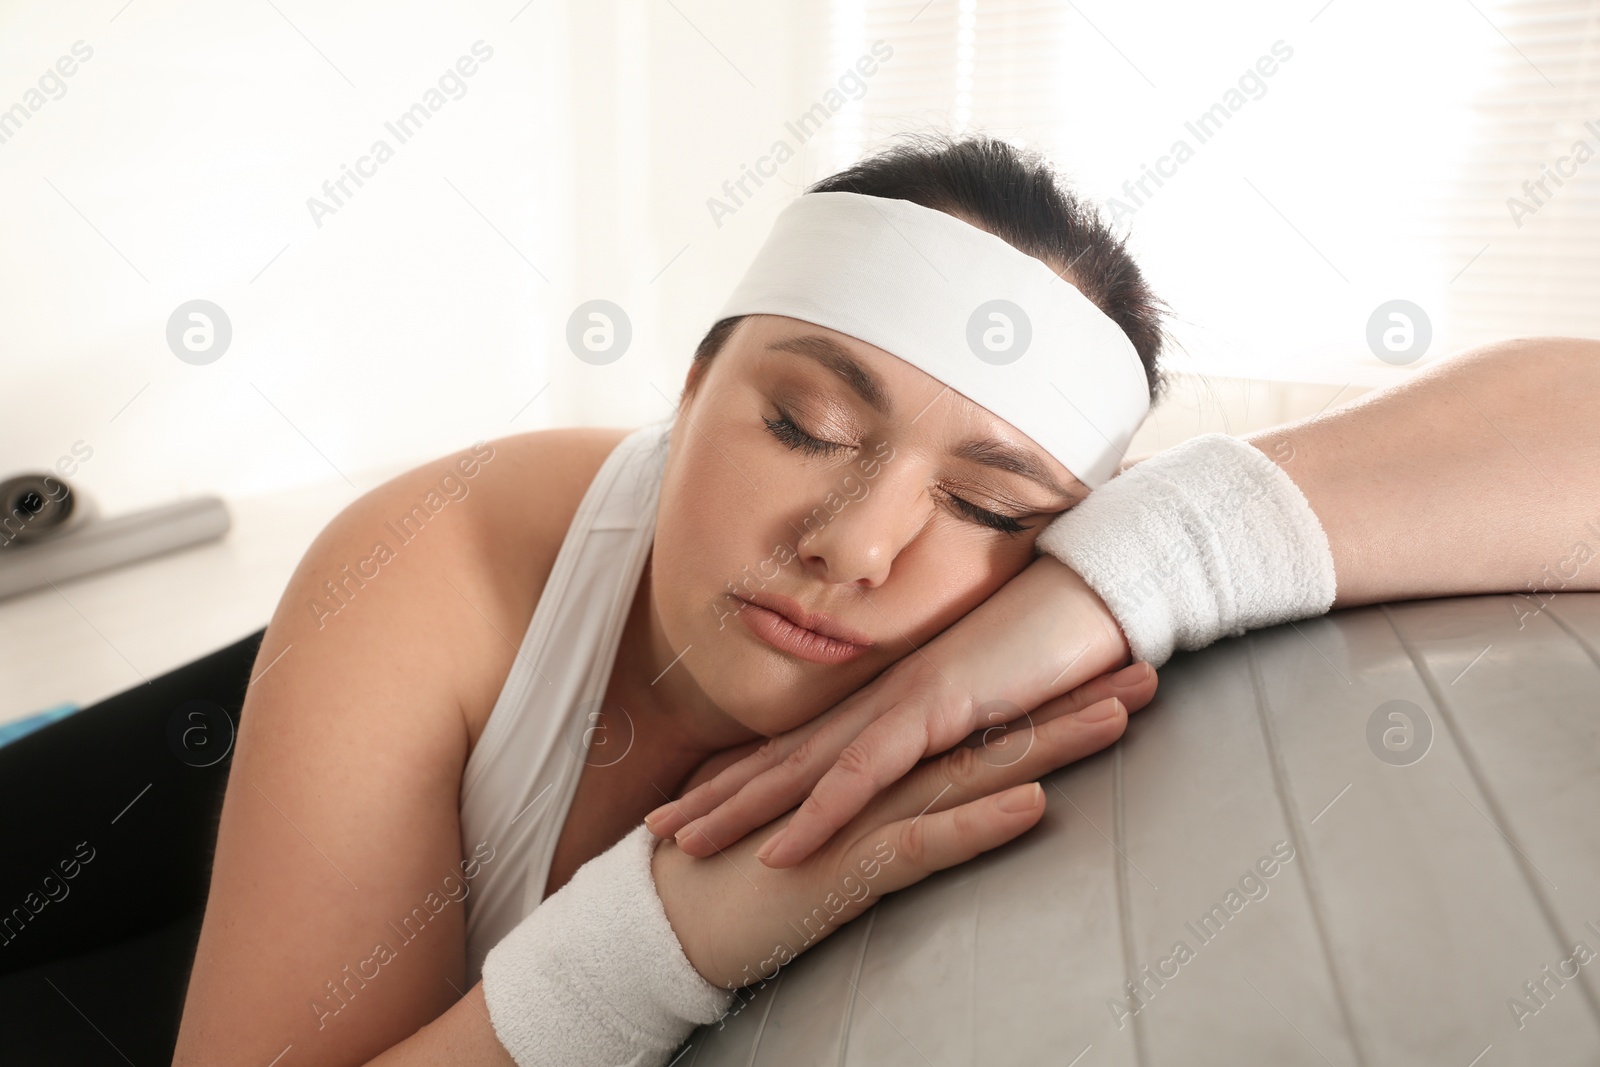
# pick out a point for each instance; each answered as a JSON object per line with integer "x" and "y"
{"x": 461, "y": 1037}
{"x": 339, "y": 817}
{"x": 1479, "y": 475}
{"x": 340, "y": 828}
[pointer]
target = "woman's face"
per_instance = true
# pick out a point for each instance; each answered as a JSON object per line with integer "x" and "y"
{"x": 814, "y": 466}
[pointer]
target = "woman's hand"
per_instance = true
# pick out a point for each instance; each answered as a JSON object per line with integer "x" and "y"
{"x": 739, "y": 920}
{"x": 1038, "y": 636}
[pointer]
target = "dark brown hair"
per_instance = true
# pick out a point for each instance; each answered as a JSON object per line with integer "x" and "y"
{"x": 1015, "y": 194}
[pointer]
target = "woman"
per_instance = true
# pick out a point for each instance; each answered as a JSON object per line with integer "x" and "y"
{"x": 405, "y": 728}
{"x": 353, "y": 777}
{"x": 771, "y": 422}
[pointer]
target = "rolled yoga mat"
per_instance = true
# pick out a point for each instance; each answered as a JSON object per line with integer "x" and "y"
{"x": 35, "y": 507}
{"x": 50, "y": 533}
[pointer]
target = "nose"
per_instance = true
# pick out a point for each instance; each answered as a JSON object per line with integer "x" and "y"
{"x": 854, "y": 537}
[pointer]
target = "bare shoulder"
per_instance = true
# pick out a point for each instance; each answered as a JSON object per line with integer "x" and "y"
{"x": 506, "y": 506}
{"x": 461, "y": 547}
{"x": 528, "y": 495}
{"x": 529, "y": 488}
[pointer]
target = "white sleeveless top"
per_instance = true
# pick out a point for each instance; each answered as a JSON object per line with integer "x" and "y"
{"x": 521, "y": 776}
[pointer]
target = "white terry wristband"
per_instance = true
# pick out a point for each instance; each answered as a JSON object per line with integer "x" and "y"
{"x": 1205, "y": 540}
{"x": 595, "y": 975}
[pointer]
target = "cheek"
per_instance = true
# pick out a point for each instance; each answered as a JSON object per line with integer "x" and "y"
{"x": 943, "y": 575}
{"x": 708, "y": 532}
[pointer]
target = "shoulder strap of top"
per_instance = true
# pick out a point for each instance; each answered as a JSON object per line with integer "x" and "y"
{"x": 521, "y": 775}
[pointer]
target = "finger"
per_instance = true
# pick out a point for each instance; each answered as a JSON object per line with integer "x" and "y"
{"x": 777, "y": 789}
{"x": 1134, "y": 685}
{"x": 888, "y": 748}
{"x": 843, "y": 721}
{"x": 671, "y": 817}
{"x": 965, "y": 774}
{"x": 878, "y": 756}
{"x": 907, "y": 851}
{"x": 1133, "y": 695}
{"x": 899, "y": 854}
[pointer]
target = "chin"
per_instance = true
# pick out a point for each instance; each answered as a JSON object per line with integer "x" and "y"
{"x": 762, "y": 689}
{"x": 759, "y": 687}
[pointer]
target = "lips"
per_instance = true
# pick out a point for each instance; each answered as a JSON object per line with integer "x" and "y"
{"x": 817, "y": 622}
{"x": 780, "y": 631}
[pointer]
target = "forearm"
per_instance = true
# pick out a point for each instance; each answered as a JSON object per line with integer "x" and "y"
{"x": 461, "y": 1036}
{"x": 1481, "y": 474}
{"x": 1042, "y": 634}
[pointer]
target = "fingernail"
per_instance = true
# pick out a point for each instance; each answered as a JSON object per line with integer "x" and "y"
{"x": 1129, "y": 675}
{"x": 1022, "y": 798}
{"x": 1099, "y": 712}
{"x": 766, "y": 850}
{"x": 651, "y": 820}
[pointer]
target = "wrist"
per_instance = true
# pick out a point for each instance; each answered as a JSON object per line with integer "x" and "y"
{"x": 595, "y": 974}
{"x": 1205, "y": 540}
{"x": 683, "y": 903}
{"x": 1082, "y": 639}
{"x": 1040, "y": 635}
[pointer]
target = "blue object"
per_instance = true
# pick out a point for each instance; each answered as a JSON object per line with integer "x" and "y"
{"x": 21, "y": 727}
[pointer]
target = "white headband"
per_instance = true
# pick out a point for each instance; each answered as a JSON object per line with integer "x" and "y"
{"x": 933, "y": 290}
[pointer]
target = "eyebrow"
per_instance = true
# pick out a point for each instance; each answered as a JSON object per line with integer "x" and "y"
{"x": 983, "y": 450}
{"x": 835, "y": 357}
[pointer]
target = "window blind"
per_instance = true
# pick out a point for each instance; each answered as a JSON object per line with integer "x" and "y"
{"x": 1378, "y": 162}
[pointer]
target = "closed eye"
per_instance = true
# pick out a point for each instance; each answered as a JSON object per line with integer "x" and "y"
{"x": 786, "y": 431}
{"x": 1003, "y": 523}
